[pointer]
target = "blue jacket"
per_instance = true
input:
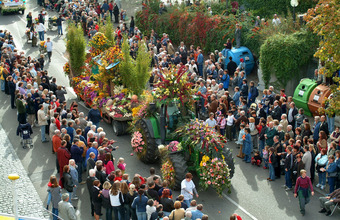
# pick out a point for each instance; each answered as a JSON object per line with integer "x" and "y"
{"x": 70, "y": 131}
{"x": 252, "y": 93}
{"x": 94, "y": 116}
{"x": 91, "y": 149}
{"x": 316, "y": 131}
{"x": 200, "y": 59}
{"x": 140, "y": 203}
{"x": 244, "y": 90}
{"x": 225, "y": 81}
{"x": 247, "y": 145}
{"x": 76, "y": 153}
{"x": 236, "y": 98}
{"x": 332, "y": 168}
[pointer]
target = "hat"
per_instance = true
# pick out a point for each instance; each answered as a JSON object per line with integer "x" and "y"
{"x": 241, "y": 59}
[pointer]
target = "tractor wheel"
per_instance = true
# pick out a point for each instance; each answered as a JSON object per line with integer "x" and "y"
{"x": 229, "y": 159}
{"x": 118, "y": 127}
{"x": 150, "y": 153}
{"x": 180, "y": 167}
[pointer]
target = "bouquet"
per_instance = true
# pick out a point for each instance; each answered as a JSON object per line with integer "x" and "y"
{"x": 137, "y": 142}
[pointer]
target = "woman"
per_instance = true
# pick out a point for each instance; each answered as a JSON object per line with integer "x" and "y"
{"x": 247, "y": 145}
{"x": 168, "y": 204}
{"x": 116, "y": 199}
{"x": 307, "y": 132}
{"x": 321, "y": 162}
{"x": 30, "y": 109}
{"x": 105, "y": 195}
{"x": 332, "y": 149}
{"x": 137, "y": 182}
{"x": 335, "y": 136}
{"x": 322, "y": 143}
{"x": 139, "y": 203}
{"x": 60, "y": 93}
{"x": 178, "y": 213}
{"x": 337, "y": 161}
{"x": 272, "y": 164}
{"x": 55, "y": 191}
{"x": 67, "y": 181}
{"x": 130, "y": 196}
{"x": 125, "y": 191}
{"x": 188, "y": 189}
{"x": 108, "y": 164}
{"x": 299, "y": 118}
{"x": 312, "y": 167}
{"x": 67, "y": 138}
{"x": 303, "y": 189}
{"x": 331, "y": 170}
{"x": 96, "y": 199}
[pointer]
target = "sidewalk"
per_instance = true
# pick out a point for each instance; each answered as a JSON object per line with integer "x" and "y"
{"x": 29, "y": 203}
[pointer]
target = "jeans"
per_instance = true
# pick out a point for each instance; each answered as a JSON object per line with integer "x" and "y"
{"x": 141, "y": 215}
{"x": 271, "y": 172}
{"x": 247, "y": 158}
{"x": 200, "y": 69}
{"x": 60, "y": 30}
{"x": 288, "y": 179}
{"x": 187, "y": 202}
{"x": 331, "y": 183}
{"x": 80, "y": 171}
{"x": 265, "y": 163}
{"x": 42, "y": 129}
{"x": 202, "y": 101}
{"x": 303, "y": 201}
{"x": 262, "y": 143}
{"x": 108, "y": 214}
{"x": 322, "y": 178}
{"x": 2, "y": 85}
{"x": 55, "y": 213}
{"x": 41, "y": 35}
{"x": 120, "y": 210}
{"x": 330, "y": 122}
{"x": 49, "y": 54}
{"x": 127, "y": 211}
{"x": 70, "y": 196}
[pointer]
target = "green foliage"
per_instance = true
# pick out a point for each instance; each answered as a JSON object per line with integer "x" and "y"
{"x": 76, "y": 46}
{"x": 135, "y": 74}
{"x": 284, "y": 54}
{"x": 269, "y": 7}
{"x": 108, "y": 31}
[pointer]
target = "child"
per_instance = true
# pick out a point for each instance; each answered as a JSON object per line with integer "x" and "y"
{"x": 256, "y": 159}
{"x": 121, "y": 165}
{"x": 240, "y": 141}
{"x": 125, "y": 178}
{"x": 221, "y": 122}
{"x": 150, "y": 208}
{"x": 118, "y": 176}
{"x": 265, "y": 157}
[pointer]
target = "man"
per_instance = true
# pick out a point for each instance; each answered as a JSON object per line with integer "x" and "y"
{"x": 316, "y": 130}
{"x": 231, "y": 66}
{"x": 152, "y": 175}
{"x": 89, "y": 182}
{"x": 93, "y": 149}
{"x": 200, "y": 60}
{"x": 276, "y": 20}
{"x": 291, "y": 114}
{"x": 40, "y": 28}
{"x": 90, "y": 162}
{"x": 197, "y": 214}
{"x": 276, "y": 111}
{"x": 48, "y": 45}
{"x": 324, "y": 125}
{"x": 236, "y": 96}
{"x": 151, "y": 193}
{"x": 63, "y": 157}
{"x": 83, "y": 122}
{"x": 307, "y": 160}
{"x": 244, "y": 89}
{"x": 261, "y": 113}
{"x": 42, "y": 121}
{"x": 56, "y": 141}
{"x": 59, "y": 25}
{"x": 270, "y": 133}
{"x": 21, "y": 107}
{"x": 327, "y": 202}
{"x": 70, "y": 130}
{"x": 288, "y": 165}
{"x": 284, "y": 122}
{"x": 213, "y": 105}
{"x": 65, "y": 208}
{"x": 76, "y": 154}
{"x": 253, "y": 93}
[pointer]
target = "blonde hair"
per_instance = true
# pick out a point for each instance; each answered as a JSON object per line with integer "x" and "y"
{"x": 106, "y": 185}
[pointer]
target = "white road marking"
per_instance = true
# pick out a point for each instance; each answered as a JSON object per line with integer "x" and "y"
{"x": 238, "y": 206}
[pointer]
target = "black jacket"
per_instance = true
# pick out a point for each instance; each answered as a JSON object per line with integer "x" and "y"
{"x": 101, "y": 176}
{"x": 89, "y": 183}
{"x": 289, "y": 161}
{"x": 95, "y": 193}
{"x": 324, "y": 127}
{"x": 68, "y": 182}
{"x": 295, "y": 112}
{"x": 231, "y": 67}
{"x": 276, "y": 113}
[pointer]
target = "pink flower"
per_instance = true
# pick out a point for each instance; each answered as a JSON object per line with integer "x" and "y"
{"x": 211, "y": 170}
{"x": 204, "y": 164}
{"x": 209, "y": 182}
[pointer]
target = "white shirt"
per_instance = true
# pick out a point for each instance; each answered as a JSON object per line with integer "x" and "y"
{"x": 49, "y": 45}
{"x": 40, "y": 27}
{"x": 276, "y": 21}
{"x": 230, "y": 120}
{"x": 211, "y": 123}
{"x": 187, "y": 187}
{"x": 114, "y": 199}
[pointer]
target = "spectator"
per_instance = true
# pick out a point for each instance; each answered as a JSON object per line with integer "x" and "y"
{"x": 66, "y": 210}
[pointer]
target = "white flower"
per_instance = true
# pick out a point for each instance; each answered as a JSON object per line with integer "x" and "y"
{"x": 161, "y": 147}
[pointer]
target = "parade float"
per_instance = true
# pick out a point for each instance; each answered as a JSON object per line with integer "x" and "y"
{"x": 166, "y": 130}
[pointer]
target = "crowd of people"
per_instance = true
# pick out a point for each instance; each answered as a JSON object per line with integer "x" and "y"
{"x": 269, "y": 130}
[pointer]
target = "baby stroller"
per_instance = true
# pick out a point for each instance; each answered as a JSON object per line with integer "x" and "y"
{"x": 25, "y": 131}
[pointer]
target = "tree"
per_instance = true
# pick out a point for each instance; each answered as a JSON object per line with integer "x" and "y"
{"x": 135, "y": 74}
{"x": 75, "y": 47}
{"x": 324, "y": 20}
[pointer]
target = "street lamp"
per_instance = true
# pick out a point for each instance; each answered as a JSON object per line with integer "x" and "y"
{"x": 294, "y": 4}
{"x": 14, "y": 177}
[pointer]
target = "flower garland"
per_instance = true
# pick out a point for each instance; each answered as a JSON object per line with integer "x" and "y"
{"x": 214, "y": 173}
{"x": 137, "y": 142}
{"x": 168, "y": 173}
{"x": 66, "y": 68}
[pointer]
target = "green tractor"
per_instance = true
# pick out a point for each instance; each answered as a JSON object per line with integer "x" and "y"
{"x": 168, "y": 123}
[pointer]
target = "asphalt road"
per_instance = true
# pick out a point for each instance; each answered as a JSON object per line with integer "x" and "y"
{"x": 252, "y": 196}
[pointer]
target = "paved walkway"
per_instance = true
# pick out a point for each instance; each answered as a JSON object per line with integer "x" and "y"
{"x": 29, "y": 203}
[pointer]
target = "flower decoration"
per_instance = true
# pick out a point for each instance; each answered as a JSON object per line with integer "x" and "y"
{"x": 206, "y": 140}
{"x": 137, "y": 142}
{"x": 174, "y": 146}
{"x": 168, "y": 173}
{"x": 215, "y": 173}
{"x": 66, "y": 68}
{"x": 98, "y": 44}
